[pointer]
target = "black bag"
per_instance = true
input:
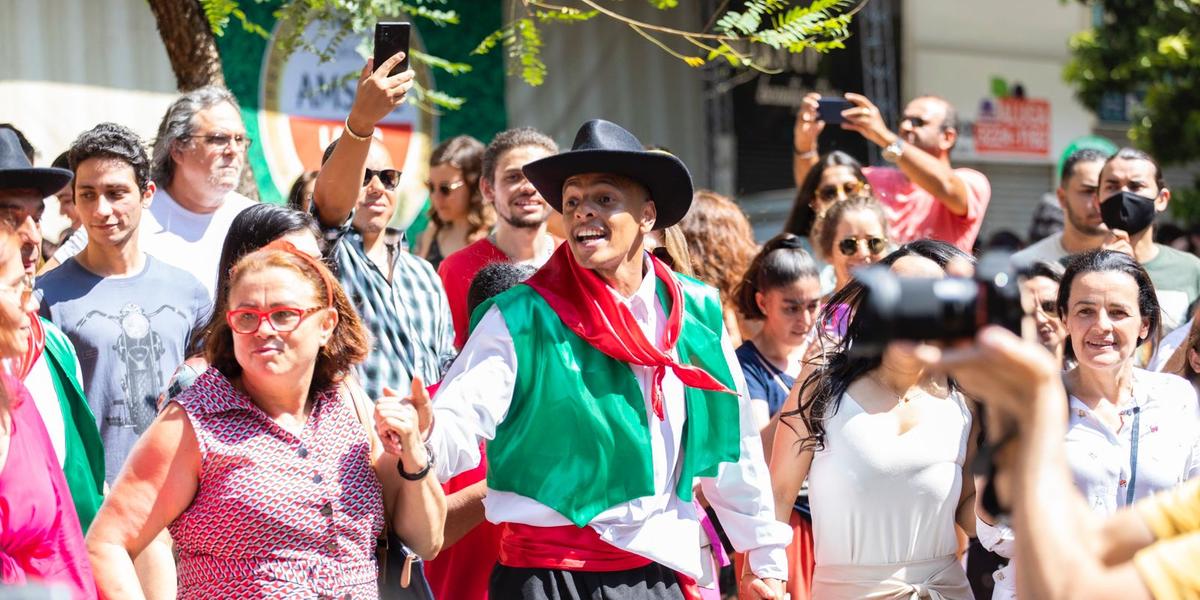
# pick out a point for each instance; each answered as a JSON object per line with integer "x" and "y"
{"x": 401, "y": 571}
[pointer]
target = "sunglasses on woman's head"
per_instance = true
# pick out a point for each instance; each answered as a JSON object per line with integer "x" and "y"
{"x": 830, "y": 192}
{"x": 444, "y": 188}
{"x": 875, "y": 245}
{"x": 390, "y": 178}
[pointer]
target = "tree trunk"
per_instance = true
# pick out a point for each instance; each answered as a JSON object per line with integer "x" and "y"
{"x": 189, "y": 41}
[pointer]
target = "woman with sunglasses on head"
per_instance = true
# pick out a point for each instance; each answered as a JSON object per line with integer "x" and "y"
{"x": 837, "y": 176}
{"x": 1131, "y": 433}
{"x": 885, "y": 446}
{"x": 457, "y": 210}
{"x": 41, "y": 541}
{"x": 272, "y": 482}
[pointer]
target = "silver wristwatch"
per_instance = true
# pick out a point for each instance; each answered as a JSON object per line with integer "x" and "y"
{"x": 893, "y": 151}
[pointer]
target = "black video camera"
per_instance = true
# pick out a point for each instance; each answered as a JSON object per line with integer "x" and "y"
{"x": 927, "y": 309}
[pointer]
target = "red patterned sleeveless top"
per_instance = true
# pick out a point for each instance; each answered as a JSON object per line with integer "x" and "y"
{"x": 277, "y": 515}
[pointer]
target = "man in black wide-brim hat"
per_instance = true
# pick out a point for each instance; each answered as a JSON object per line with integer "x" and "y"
{"x": 607, "y": 388}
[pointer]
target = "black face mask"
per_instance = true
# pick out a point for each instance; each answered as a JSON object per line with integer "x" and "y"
{"x": 1127, "y": 211}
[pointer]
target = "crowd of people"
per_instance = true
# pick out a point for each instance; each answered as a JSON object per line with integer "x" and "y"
{"x": 584, "y": 379}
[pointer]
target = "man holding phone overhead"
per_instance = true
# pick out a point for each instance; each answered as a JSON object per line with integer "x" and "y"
{"x": 398, "y": 295}
{"x": 925, "y": 197}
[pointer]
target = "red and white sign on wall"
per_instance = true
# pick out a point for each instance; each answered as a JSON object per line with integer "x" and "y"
{"x": 1014, "y": 126}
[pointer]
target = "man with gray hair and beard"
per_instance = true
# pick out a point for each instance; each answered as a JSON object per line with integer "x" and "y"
{"x": 197, "y": 162}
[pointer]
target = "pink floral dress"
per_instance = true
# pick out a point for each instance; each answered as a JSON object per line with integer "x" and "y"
{"x": 277, "y": 515}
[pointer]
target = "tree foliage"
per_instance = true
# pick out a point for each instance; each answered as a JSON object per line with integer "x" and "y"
{"x": 792, "y": 25}
{"x": 1149, "y": 48}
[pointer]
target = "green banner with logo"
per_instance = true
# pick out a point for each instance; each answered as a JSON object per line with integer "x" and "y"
{"x": 293, "y": 106}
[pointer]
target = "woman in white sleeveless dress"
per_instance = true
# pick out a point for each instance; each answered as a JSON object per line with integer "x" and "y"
{"x": 886, "y": 448}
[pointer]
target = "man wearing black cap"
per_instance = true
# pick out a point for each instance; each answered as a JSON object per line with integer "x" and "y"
{"x": 50, "y": 368}
{"x": 608, "y": 389}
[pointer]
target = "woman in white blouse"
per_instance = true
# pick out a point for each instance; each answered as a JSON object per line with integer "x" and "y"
{"x": 1132, "y": 432}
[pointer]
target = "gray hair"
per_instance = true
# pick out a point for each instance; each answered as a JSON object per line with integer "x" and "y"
{"x": 177, "y": 124}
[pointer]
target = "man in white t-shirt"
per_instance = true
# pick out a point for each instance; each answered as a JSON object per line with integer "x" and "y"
{"x": 1082, "y": 229}
{"x": 199, "y": 155}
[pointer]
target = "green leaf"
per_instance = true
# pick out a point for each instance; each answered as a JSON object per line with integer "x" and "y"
{"x": 565, "y": 14}
{"x": 664, "y": 4}
{"x": 436, "y": 62}
{"x": 492, "y": 40}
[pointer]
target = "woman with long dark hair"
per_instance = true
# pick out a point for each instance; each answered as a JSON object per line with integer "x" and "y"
{"x": 885, "y": 446}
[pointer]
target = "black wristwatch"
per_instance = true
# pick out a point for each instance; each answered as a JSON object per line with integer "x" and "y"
{"x": 419, "y": 475}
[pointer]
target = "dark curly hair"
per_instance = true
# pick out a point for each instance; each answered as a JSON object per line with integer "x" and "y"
{"x": 109, "y": 140}
{"x": 822, "y": 391}
{"x": 346, "y": 348}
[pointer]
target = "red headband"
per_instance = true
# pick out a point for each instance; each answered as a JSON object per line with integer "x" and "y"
{"x": 286, "y": 246}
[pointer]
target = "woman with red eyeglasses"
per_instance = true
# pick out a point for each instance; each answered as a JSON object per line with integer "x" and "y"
{"x": 457, "y": 212}
{"x": 271, "y": 481}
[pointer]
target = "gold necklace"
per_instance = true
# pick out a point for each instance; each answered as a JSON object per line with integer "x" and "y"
{"x": 902, "y": 399}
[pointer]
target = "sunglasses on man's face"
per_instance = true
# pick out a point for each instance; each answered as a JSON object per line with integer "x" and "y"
{"x": 390, "y": 178}
{"x": 875, "y": 245}
{"x": 444, "y": 188}
{"x": 830, "y": 193}
{"x": 915, "y": 122}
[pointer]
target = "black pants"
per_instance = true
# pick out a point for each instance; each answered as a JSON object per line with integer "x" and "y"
{"x": 651, "y": 582}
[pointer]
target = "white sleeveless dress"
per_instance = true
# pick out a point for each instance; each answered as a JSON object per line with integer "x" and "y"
{"x": 884, "y": 505}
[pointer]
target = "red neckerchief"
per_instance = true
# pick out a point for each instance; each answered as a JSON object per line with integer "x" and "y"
{"x": 33, "y": 351}
{"x": 587, "y": 307}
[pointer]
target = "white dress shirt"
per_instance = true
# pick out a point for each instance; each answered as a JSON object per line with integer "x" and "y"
{"x": 474, "y": 398}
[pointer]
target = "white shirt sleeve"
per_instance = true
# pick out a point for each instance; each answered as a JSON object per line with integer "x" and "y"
{"x": 741, "y": 492}
{"x": 71, "y": 246}
{"x": 474, "y": 396}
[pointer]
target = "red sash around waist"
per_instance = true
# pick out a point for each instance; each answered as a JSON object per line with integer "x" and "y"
{"x": 567, "y": 548}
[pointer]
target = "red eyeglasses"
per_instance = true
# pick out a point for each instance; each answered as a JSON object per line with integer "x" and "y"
{"x": 283, "y": 319}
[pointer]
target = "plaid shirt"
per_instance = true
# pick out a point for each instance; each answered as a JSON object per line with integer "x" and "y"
{"x": 408, "y": 319}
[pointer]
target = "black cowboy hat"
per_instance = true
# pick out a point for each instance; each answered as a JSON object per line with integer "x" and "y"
{"x": 17, "y": 174}
{"x": 605, "y": 147}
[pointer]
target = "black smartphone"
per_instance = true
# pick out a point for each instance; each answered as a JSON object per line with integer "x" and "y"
{"x": 392, "y": 37}
{"x": 829, "y": 109}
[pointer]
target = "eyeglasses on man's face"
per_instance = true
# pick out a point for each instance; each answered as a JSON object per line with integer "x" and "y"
{"x": 223, "y": 140}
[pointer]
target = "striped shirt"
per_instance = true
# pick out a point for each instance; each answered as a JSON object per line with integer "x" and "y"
{"x": 408, "y": 319}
